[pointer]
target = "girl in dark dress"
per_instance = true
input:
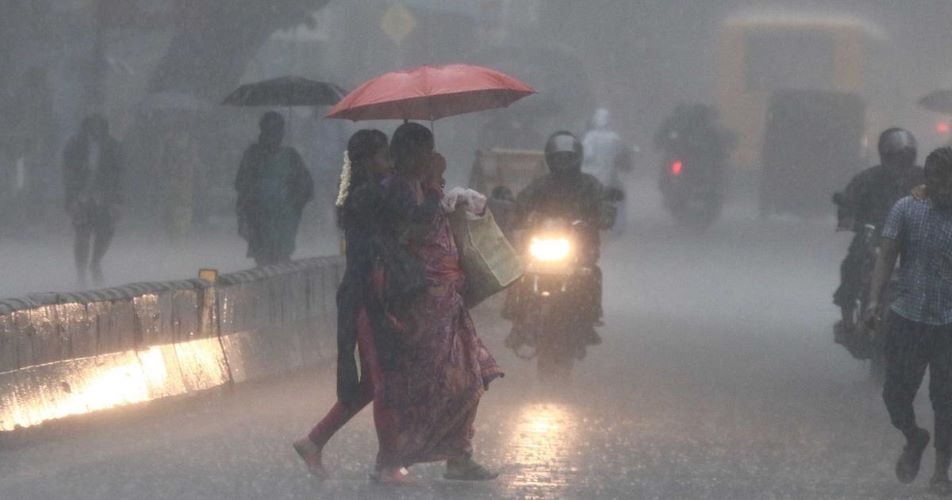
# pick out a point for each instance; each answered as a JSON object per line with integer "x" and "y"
{"x": 358, "y": 301}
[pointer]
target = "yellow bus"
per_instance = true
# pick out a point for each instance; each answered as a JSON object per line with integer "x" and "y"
{"x": 762, "y": 54}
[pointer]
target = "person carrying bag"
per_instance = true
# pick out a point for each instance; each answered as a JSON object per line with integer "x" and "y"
{"x": 487, "y": 258}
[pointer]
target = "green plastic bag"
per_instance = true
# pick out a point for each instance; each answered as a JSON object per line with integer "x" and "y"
{"x": 487, "y": 258}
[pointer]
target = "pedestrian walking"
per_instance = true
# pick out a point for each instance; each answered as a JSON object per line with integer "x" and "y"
{"x": 273, "y": 187}
{"x": 92, "y": 175}
{"x": 441, "y": 366}
{"x": 360, "y": 312}
{"x": 918, "y": 232}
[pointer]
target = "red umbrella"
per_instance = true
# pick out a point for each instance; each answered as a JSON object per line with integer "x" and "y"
{"x": 430, "y": 93}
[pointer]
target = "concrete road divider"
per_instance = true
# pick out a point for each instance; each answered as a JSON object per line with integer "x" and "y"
{"x": 75, "y": 353}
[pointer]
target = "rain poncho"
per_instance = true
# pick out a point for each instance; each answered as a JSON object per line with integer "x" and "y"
{"x": 603, "y": 147}
{"x": 273, "y": 186}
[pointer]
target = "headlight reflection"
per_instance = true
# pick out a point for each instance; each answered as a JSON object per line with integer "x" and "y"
{"x": 542, "y": 448}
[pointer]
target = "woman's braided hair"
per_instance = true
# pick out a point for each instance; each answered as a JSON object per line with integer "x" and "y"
{"x": 355, "y": 172}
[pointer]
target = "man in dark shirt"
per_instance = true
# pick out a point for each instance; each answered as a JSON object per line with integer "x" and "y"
{"x": 866, "y": 201}
{"x": 566, "y": 192}
{"x": 919, "y": 329}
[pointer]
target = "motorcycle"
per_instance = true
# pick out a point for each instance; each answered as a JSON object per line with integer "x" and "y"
{"x": 691, "y": 190}
{"x": 556, "y": 291}
{"x": 862, "y": 342}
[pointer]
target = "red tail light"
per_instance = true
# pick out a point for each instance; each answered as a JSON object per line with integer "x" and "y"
{"x": 676, "y": 168}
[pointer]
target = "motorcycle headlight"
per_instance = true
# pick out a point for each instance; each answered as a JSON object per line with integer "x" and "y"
{"x": 549, "y": 250}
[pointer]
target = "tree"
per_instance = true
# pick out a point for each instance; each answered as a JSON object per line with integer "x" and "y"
{"x": 215, "y": 40}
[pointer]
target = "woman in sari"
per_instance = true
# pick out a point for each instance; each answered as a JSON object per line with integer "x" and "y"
{"x": 360, "y": 310}
{"x": 441, "y": 367}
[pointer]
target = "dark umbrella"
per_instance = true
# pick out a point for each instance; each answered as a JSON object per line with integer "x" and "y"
{"x": 286, "y": 91}
{"x": 939, "y": 100}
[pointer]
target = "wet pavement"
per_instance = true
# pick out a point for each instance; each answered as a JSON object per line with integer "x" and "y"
{"x": 717, "y": 378}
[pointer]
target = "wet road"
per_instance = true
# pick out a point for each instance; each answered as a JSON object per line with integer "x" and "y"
{"x": 717, "y": 379}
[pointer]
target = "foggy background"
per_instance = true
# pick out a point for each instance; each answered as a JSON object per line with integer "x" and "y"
{"x": 159, "y": 69}
{"x": 718, "y": 376}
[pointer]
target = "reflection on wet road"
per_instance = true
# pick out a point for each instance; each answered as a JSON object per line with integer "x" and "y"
{"x": 717, "y": 378}
{"x": 542, "y": 448}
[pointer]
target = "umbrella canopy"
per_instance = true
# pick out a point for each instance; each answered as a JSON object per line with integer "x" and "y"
{"x": 431, "y": 93}
{"x": 940, "y": 100}
{"x": 286, "y": 91}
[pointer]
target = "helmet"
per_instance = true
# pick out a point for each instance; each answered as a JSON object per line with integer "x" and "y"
{"x": 563, "y": 153}
{"x": 897, "y": 146}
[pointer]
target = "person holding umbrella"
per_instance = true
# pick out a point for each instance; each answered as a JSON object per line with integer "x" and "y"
{"x": 442, "y": 367}
{"x": 273, "y": 187}
{"x": 434, "y": 368}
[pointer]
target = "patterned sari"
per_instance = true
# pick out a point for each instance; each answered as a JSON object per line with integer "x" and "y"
{"x": 443, "y": 368}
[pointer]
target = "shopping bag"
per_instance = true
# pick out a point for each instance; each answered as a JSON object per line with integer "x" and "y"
{"x": 487, "y": 258}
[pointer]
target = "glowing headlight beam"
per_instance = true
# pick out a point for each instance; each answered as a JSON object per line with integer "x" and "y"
{"x": 549, "y": 250}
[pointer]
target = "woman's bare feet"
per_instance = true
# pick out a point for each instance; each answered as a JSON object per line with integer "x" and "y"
{"x": 311, "y": 454}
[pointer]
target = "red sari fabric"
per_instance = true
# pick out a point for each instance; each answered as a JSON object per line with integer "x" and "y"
{"x": 443, "y": 366}
{"x": 369, "y": 390}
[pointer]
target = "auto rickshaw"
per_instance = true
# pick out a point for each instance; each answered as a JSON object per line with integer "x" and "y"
{"x": 503, "y": 174}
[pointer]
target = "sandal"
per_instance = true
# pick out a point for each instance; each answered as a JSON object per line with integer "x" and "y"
{"x": 469, "y": 471}
{"x": 399, "y": 476}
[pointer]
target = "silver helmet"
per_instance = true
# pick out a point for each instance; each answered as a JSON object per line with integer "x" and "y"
{"x": 897, "y": 144}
